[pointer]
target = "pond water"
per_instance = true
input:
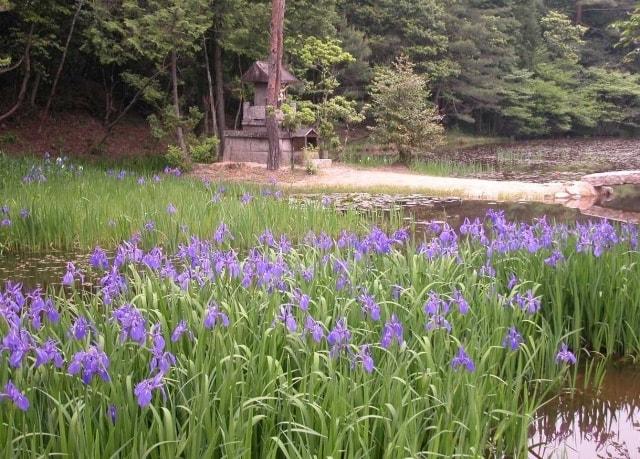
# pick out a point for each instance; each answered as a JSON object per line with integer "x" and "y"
{"x": 586, "y": 424}
{"x": 583, "y": 425}
{"x": 625, "y": 198}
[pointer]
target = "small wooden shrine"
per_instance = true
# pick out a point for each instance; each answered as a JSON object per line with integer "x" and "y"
{"x": 251, "y": 142}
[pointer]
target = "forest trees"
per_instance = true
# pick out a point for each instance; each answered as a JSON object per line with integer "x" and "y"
{"x": 630, "y": 35}
{"x": 318, "y": 62}
{"x": 520, "y": 68}
{"x": 404, "y": 117}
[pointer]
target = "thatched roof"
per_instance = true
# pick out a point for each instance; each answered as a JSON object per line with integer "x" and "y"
{"x": 259, "y": 73}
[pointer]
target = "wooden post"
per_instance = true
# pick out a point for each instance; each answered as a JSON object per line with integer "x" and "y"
{"x": 273, "y": 85}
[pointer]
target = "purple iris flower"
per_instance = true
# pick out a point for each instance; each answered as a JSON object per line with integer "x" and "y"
{"x": 369, "y": 306}
{"x": 5, "y": 222}
{"x": 98, "y": 259}
{"x": 17, "y": 342}
{"x": 266, "y": 238}
{"x": 113, "y": 284}
{"x": 301, "y": 299}
{"x": 307, "y": 274}
{"x": 436, "y": 322}
{"x": 392, "y": 331}
{"x": 149, "y": 225}
{"x": 144, "y": 389}
{"x": 171, "y": 209}
{"x": 161, "y": 360}
{"x": 25, "y": 213}
{"x": 459, "y": 299}
{"x": 512, "y": 340}
{"x": 314, "y": 328}
{"x": 435, "y": 305}
{"x": 436, "y": 308}
{"x": 42, "y": 307}
{"x": 400, "y": 236}
{"x": 112, "y": 413}
{"x": 90, "y": 363}
{"x": 487, "y": 270}
{"x": 339, "y": 338}
{"x": 213, "y": 314}
{"x": 246, "y": 198}
{"x": 554, "y": 258}
{"x": 364, "y": 358}
{"x": 564, "y": 355}
{"x": 12, "y": 393}
{"x": 222, "y": 232}
{"x": 71, "y": 275}
{"x": 132, "y": 324}
{"x": 49, "y": 352}
{"x": 513, "y": 281}
{"x": 80, "y": 328}
{"x": 284, "y": 245}
{"x": 180, "y": 330}
{"x": 286, "y": 317}
{"x": 141, "y": 181}
{"x": 528, "y": 302}
{"x": 153, "y": 259}
{"x": 463, "y": 360}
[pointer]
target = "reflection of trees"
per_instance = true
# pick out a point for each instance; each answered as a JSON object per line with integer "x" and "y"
{"x": 624, "y": 197}
{"x": 605, "y": 419}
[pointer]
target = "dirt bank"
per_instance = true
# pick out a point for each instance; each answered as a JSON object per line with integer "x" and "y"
{"x": 349, "y": 178}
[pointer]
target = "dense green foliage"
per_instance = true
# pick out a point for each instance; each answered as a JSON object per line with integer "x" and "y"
{"x": 511, "y": 67}
{"x": 399, "y": 106}
{"x": 260, "y": 386}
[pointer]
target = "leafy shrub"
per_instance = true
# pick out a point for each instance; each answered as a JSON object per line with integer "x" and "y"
{"x": 8, "y": 138}
{"x": 175, "y": 158}
{"x": 205, "y": 151}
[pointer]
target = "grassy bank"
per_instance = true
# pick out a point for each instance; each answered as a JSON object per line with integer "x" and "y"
{"x": 54, "y": 205}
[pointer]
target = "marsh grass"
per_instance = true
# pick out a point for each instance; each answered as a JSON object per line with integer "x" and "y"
{"x": 449, "y": 167}
{"x": 258, "y": 390}
{"x": 78, "y": 210}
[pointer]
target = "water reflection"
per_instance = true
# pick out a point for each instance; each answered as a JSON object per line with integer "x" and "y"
{"x": 41, "y": 269}
{"x": 605, "y": 424}
{"x": 526, "y": 212}
{"x": 625, "y": 198}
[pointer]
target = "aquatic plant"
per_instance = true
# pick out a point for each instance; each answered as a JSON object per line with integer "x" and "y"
{"x": 210, "y": 351}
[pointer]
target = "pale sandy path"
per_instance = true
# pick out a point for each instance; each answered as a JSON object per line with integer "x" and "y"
{"x": 362, "y": 179}
{"x": 349, "y": 178}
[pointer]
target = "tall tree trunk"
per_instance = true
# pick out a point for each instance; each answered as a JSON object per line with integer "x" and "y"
{"x": 34, "y": 89}
{"x": 212, "y": 100}
{"x": 176, "y": 104}
{"x": 577, "y": 19}
{"x": 236, "y": 122}
{"x": 25, "y": 79}
{"x": 205, "y": 104}
{"x": 47, "y": 107}
{"x": 219, "y": 96}
{"x": 273, "y": 85}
